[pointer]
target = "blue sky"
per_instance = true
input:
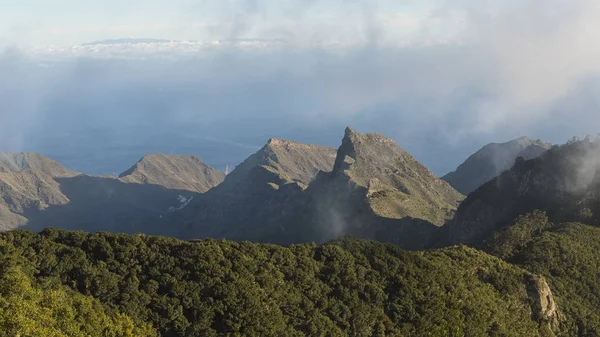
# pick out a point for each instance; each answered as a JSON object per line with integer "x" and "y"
{"x": 67, "y": 22}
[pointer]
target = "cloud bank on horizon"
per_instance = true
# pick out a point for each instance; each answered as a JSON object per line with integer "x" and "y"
{"x": 451, "y": 72}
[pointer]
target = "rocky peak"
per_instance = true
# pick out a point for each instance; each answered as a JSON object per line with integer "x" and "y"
{"x": 258, "y": 198}
{"x": 289, "y": 161}
{"x": 276, "y": 143}
{"x": 174, "y": 172}
{"x": 28, "y": 183}
{"x": 393, "y": 183}
{"x": 367, "y": 156}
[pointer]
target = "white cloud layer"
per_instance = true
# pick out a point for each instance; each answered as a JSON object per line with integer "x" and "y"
{"x": 456, "y": 73}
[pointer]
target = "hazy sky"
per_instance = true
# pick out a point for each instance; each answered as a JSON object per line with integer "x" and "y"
{"x": 441, "y": 77}
{"x": 67, "y": 22}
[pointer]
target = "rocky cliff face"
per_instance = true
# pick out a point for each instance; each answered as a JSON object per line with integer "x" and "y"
{"x": 391, "y": 182}
{"x": 376, "y": 190}
{"x": 544, "y": 307}
{"x": 491, "y": 160}
{"x": 397, "y": 185}
{"x": 186, "y": 173}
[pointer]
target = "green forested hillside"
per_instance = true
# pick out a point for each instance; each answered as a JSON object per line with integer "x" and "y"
{"x": 347, "y": 288}
{"x": 27, "y": 310}
{"x": 567, "y": 256}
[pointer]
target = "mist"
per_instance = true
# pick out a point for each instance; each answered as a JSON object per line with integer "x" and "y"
{"x": 442, "y": 83}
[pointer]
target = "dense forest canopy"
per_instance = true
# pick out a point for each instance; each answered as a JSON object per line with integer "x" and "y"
{"x": 28, "y": 310}
{"x": 566, "y": 254}
{"x": 224, "y": 288}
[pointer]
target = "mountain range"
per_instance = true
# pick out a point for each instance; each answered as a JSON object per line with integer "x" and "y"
{"x": 39, "y": 192}
{"x": 371, "y": 243}
{"x": 187, "y": 173}
{"x": 287, "y": 192}
{"x": 145, "y": 48}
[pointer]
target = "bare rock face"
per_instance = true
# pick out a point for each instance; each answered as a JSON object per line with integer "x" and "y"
{"x": 491, "y": 160}
{"x": 544, "y": 307}
{"x": 187, "y": 173}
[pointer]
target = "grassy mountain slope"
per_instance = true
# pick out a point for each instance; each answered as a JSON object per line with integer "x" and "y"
{"x": 27, "y": 183}
{"x": 254, "y": 200}
{"x": 38, "y": 192}
{"x": 187, "y": 173}
{"x": 290, "y": 161}
{"x": 16, "y": 162}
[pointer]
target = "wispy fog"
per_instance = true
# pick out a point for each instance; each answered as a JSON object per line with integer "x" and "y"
{"x": 442, "y": 82}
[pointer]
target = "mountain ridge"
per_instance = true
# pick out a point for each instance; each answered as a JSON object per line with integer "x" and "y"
{"x": 375, "y": 191}
{"x": 174, "y": 172}
{"x": 378, "y": 164}
{"x": 37, "y": 192}
{"x": 516, "y": 257}
{"x": 491, "y": 160}
{"x": 563, "y": 181}
{"x": 259, "y": 193}
{"x": 19, "y": 161}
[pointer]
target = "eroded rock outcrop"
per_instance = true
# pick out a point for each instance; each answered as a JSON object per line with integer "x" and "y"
{"x": 544, "y": 307}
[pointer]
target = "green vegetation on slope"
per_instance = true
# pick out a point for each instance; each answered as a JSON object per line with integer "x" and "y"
{"x": 491, "y": 160}
{"x": 26, "y": 310}
{"x": 223, "y": 288}
{"x": 567, "y": 256}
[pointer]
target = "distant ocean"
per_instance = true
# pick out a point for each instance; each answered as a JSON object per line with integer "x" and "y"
{"x": 115, "y": 148}
{"x": 99, "y": 153}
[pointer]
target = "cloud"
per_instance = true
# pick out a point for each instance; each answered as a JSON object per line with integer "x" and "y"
{"x": 434, "y": 75}
{"x": 18, "y": 102}
{"x": 535, "y": 54}
{"x": 509, "y": 64}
